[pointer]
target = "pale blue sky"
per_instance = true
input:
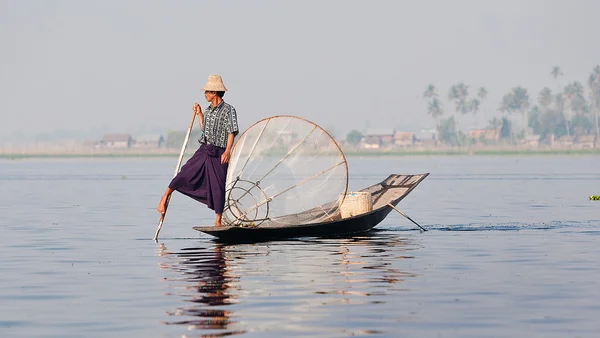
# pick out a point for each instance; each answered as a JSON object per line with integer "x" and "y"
{"x": 135, "y": 66}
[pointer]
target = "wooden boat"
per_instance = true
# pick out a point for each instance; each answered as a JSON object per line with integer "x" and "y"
{"x": 384, "y": 194}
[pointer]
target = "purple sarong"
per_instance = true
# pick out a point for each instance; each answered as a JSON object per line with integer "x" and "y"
{"x": 203, "y": 177}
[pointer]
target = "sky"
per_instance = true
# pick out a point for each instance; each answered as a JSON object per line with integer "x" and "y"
{"x": 138, "y": 66}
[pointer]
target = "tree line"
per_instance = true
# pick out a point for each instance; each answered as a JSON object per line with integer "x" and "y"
{"x": 571, "y": 110}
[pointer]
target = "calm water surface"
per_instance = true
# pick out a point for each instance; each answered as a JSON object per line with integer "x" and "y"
{"x": 512, "y": 251}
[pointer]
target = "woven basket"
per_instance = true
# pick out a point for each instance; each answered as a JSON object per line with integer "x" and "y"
{"x": 356, "y": 203}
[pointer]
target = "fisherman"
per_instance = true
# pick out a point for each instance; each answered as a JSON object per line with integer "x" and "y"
{"x": 203, "y": 176}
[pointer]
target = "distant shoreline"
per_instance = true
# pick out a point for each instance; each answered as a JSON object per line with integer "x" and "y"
{"x": 158, "y": 153}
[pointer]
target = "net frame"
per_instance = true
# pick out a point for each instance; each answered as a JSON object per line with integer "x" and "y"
{"x": 242, "y": 218}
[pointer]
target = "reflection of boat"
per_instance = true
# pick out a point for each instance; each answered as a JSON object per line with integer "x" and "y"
{"x": 384, "y": 194}
{"x": 290, "y": 289}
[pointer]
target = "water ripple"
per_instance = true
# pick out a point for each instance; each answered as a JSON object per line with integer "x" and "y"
{"x": 309, "y": 278}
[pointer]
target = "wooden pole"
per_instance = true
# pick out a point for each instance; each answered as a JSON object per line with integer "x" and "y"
{"x": 403, "y": 214}
{"x": 185, "y": 142}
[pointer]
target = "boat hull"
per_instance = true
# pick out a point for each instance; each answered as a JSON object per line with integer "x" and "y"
{"x": 388, "y": 192}
{"x": 348, "y": 226}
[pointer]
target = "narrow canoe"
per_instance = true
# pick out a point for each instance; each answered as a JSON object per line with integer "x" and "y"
{"x": 389, "y": 191}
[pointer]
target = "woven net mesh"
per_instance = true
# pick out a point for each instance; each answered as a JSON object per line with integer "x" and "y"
{"x": 284, "y": 169}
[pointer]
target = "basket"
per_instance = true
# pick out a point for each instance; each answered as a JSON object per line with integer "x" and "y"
{"x": 356, "y": 203}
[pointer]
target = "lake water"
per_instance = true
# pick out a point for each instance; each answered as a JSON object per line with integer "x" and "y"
{"x": 512, "y": 251}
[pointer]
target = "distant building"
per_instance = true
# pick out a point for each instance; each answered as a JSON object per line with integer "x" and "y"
{"x": 549, "y": 139}
{"x": 484, "y": 134}
{"x": 149, "y": 141}
{"x": 531, "y": 140}
{"x": 378, "y": 138}
{"x": 117, "y": 141}
{"x": 404, "y": 138}
{"x": 426, "y": 138}
{"x": 566, "y": 141}
{"x": 586, "y": 141}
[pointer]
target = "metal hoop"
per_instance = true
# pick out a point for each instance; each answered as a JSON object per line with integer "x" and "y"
{"x": 232, "y": 204}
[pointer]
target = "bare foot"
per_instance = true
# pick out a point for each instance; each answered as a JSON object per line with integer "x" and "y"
{"x": 218, "y": 220}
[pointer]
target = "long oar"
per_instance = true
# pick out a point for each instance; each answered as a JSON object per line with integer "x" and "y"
{"x": 403, "y": 214}
{"x": 185, "y": 142}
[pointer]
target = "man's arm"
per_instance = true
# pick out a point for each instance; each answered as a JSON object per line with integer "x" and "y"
{"x": 227, "y": 153}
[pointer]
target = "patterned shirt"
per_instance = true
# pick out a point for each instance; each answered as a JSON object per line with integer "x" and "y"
{"x": 218, "y": 123}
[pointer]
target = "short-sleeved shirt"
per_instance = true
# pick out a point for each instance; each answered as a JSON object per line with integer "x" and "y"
{"x": 218, "y": 123}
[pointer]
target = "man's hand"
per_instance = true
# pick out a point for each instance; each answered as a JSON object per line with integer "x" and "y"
{"x": 225, "y": 157}
{"x": 197, "y": 109}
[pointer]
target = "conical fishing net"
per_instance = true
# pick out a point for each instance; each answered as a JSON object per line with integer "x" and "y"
{"x": 284, "y": 170}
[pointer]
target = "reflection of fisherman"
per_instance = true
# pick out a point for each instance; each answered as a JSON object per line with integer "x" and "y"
{"x": 214, "y": 280}
{"x": 208, "y": 278}
{"x": 204, "y": 175}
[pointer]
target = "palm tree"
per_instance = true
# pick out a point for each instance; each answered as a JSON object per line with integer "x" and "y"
{"x": 560, "y": 105}
{"x": 569, "y": 93}
{"x": 496, "y": 125}
{"x": 517, "y": 100}
{"x": 459, "y": 94}
{"x": 434, "y": 106}
{"x": 545, "y": 98}
{"x": 506, "y": 106}
{"x": 594, "y": 83}
{"x": 476, "y": 102}
{"x": 522, "y": 102}
{"x": 482, "y": 93}
{"x": 593, "y": 105}
{"x": 574, "y": 93}
{"x": 556, "y": 72}
{"x": 474, "y": 106}
{"x": 430, "y": 91}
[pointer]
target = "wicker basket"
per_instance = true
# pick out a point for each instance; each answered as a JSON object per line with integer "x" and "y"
{"x": 356, "y": 203}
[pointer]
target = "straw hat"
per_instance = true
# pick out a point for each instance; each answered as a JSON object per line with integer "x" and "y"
{"x": 215, "y": 84}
